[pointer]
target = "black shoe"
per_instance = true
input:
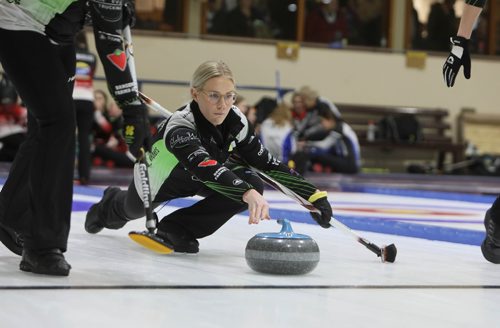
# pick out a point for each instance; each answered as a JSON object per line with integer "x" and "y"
{"x": 491, "y": 244}
{"x": 11, "y": 239}
{"x": 180, "y": 243}
{"x": 95, "y": 219}
{"x": 47, "y": 261}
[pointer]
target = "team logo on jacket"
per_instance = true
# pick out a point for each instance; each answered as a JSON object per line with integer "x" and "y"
{"x": 208, "y": 162}
{"x": 119, "y": 59}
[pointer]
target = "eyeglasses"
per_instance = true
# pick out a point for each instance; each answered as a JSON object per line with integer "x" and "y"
{"x": 214, "y": 97}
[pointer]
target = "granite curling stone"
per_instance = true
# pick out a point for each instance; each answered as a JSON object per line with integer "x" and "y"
{"x": 285, "y": 253}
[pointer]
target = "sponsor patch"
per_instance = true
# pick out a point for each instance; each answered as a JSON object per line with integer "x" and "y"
{"x": 196, "y": 153}
{"x": 125, "y": 88}
{"x": 110, "y": 11}
{"x": 152, "y": 155}
{"x": 180, "y": 141}
{"x": 119, "y": 59}
{"x": 208, "y": 162}
{"x": 110, "y": 37}
{"x": 219, "y": 172}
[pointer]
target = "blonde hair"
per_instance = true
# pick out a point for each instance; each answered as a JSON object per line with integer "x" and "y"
{"x": 281, "y": 115}
{"x": 308, "y": 95}
{"x": 209, "y": 70}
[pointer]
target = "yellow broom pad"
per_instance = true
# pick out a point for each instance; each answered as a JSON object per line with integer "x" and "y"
{"x": 150, "y": 242}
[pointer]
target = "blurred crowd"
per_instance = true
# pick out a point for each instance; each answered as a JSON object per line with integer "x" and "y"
{"x": 308, "y": 133}
{"x": 334, "y": 22}
{"x": 13, "y": 120}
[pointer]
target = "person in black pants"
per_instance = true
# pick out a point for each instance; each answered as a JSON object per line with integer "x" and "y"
{"x": 83, "y": 94}
{"x": 36, "y": 199}
{"x": 205, "y": 148}
{"x": 459, "y": 57}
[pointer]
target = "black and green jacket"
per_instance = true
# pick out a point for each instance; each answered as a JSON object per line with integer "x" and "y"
{"x": 187, "y": 144}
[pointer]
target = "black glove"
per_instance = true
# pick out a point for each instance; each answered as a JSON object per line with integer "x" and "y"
{"x": 459, "y": 56}
{"x": 136, "y": 128}
{"x": 128, "y": 13}
{"x": 320, "y": 201}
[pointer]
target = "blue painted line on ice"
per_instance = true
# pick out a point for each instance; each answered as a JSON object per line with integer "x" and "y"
{"x": 372, "y": 224}
{"x": 485, "y": 199}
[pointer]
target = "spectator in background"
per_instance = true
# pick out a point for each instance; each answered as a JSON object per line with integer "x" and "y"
{"x": 338, "y": 151}
{"x": 172, "y": 16}
{"x": 83, "y": 95}
{"x": 441, "y": 24}
{"x": 326, "y": 24}
{"x": 260, "y": 111}
{"x": 250, "y": 112}
{"x": 109, "y": 146}
{"x": 299, "y": 109}
{"x": 13, "y": 121}
{"x": 276, "y": 133}
{"x": 349, "y": 10}
{"x": 317, "y": 126}
{"x": 251, "y": 116}
{"x": 246, "y": 20}
{"x": 100, "y": 103}
{"x": 369, "y": 19}
{"x": 283, "y": 15}
{"x": 242, "y": 104}
{"x": 416, "y": 29}
{"x": 310, "y": 127}
{"x": 216, "y": 15}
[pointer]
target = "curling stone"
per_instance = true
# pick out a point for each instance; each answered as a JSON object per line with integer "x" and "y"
{"x": 286, "y": 252}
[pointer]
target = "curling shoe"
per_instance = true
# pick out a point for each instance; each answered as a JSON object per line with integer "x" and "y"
{"x": 46, "y": 261}
{"x": 11, "y": 239}
{"x": 182, "y": 243}
{"x": 491, "y": 244}
{"x": 96, "y": 216}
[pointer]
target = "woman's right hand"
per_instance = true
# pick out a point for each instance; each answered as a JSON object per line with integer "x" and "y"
{"x": 258, "y": 208}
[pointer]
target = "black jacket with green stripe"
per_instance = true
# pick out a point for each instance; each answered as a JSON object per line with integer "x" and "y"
{"x": 187, "y": 143}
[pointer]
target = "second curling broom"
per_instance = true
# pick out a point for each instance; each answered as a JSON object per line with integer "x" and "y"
{"x": 147, "y": 238}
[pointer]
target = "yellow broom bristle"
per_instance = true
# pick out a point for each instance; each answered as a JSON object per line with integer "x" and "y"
{"x": 150, "y": 243}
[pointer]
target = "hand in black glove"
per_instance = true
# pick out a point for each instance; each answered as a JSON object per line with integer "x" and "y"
{"x": 128, "y": 13}
{"x": 459, "y": 56}
{"x": 320, "y": 201}
{"x": 136, "y": 128}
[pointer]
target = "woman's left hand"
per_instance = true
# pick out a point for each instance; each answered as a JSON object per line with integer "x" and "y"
{"x": 258, "y": 208}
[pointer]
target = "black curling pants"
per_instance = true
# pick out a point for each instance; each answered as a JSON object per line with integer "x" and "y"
{"x": 37, "y": 196}
{"x": 84, "y": 119}
{"x": 200, "y": 219}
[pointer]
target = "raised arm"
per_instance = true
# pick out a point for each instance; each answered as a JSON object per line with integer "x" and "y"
{"x": 459, "y": 55}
